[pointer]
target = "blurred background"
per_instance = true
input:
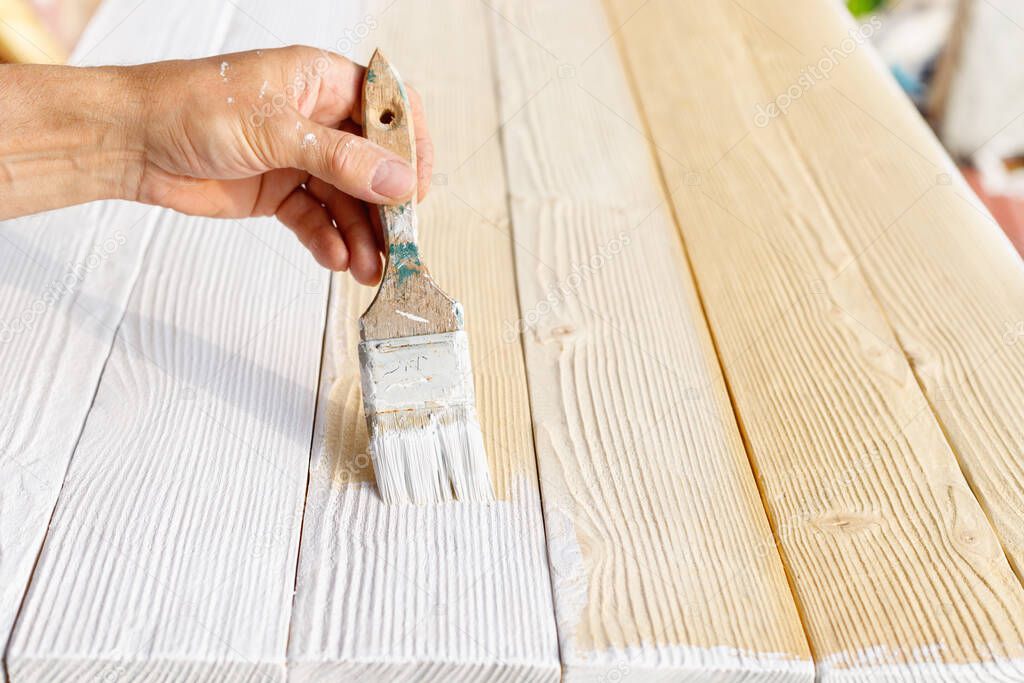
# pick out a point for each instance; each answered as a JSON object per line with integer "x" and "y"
{"x": 960, "y": 61}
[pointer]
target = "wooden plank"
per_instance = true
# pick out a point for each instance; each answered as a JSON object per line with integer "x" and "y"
{"x": 662, "y": 558}
{"x": 173, "y": 544}
{"x": 949, "y": 282}
{"x": 67, "y": 276}
{"x": 65, "y": 284}
{"x": 449, "y": 592}
{"x": 897, "y": 571}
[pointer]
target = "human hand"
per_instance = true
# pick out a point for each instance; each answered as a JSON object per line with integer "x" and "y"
{"x": 267, "y": 132}
{"x": 274, "y": 132}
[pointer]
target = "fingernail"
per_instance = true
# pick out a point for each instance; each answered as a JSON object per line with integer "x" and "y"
{"x": 393, "y": 179}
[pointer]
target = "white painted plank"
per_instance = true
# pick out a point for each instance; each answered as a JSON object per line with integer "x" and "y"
{"x": 172, "y": 549}
{"x": 66, "y": 277}
{"x": 174, "y": 539}
{"x": 65, "y": 281}
{"x": 663, "y": 560}
{"x": 435, "y": 593}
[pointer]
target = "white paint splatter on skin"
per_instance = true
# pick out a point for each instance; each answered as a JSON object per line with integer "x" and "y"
{"x": 231, "y": 100}
{"x": 263, "y": 89}
{"x": 308, "y": 139}
{"x": 224, "y": 66}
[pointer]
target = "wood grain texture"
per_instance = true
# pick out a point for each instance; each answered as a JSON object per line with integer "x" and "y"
{"x": 65, "y": 282}
{"x": 439, "y": 592}
{"x": 663, "y": 562}
{"x": 897, "y": 571}
{"x": 947, "y": 279}
{"x": 66, "y": 278}
{"x": 172, "y": 549}
{"x": 175, "y": 536}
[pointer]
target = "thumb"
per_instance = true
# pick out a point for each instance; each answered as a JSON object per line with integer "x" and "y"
{"x": 347, "y": 161}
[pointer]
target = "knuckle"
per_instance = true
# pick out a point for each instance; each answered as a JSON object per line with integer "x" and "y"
{"x": 261, "y": 143}
{"x": 295, "y": 51}
{"x": 345, "y": 157}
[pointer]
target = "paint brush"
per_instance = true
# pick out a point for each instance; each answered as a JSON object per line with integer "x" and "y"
{"x": 425, "y": 440}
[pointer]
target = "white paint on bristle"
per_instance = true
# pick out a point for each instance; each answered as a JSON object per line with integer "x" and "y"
{"x": 425, "y": 439}
{"x": 430, "y": 456}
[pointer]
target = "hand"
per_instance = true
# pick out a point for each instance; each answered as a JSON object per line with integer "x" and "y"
{"x": 268, "y": 132}
{"x": 275, "y": 132}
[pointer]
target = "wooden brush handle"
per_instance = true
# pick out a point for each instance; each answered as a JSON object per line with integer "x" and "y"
{"x": 387, "y": 119}
{"x": 408, "y": 302}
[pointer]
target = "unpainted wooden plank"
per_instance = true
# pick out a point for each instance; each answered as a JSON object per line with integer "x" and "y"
{"x": 172, "y": 548}
{"x": 947, "y": 279}
{"x": 898, "y": 573}
{"x": 442, "y": 592}
{"x": 663, "y": 562}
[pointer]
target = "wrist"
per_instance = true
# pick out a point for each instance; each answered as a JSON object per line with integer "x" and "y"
{"x": 69, "y": 135}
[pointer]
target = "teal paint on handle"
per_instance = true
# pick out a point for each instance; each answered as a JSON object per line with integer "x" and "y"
{"x": 406, "y": 258}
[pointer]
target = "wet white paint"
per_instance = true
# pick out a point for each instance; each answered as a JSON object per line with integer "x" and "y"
{"x": 413, "y": 373}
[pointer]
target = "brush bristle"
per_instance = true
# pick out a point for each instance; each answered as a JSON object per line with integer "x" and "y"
{"x": 430, "y": 456}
